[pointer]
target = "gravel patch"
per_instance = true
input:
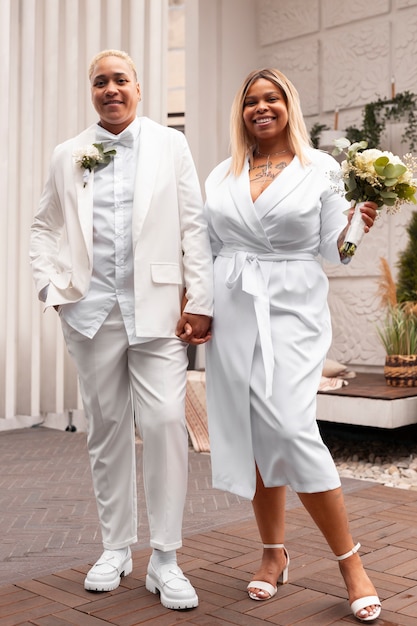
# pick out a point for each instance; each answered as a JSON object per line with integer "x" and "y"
{"x": 388, "y": 457}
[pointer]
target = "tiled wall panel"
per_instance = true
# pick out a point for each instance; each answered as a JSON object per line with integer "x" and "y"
{"x": 341, "y": 56}
{"x": 280, "y": 21}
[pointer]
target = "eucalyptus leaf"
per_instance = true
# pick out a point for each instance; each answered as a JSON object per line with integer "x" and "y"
{"x": 394, "y": 170}
{"x": 381, "y": 161}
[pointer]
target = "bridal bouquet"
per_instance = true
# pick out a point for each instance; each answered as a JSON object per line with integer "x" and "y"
{"x": 375, "y": 176}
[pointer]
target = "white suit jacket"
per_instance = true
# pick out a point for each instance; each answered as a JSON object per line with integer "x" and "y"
{"x": 170, "y": 241}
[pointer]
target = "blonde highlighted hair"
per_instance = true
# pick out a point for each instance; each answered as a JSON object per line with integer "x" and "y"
{"x": 242, "y": 142}
{"x": 112, "y": 53}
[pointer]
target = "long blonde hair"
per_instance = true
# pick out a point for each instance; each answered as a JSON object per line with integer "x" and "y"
{"x": 241, "y": 141}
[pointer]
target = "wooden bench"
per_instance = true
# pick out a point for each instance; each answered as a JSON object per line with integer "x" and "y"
{"x": 368, "y": 401}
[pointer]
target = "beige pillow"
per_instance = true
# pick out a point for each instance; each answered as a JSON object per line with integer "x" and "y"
{"x": 333, "y": 368}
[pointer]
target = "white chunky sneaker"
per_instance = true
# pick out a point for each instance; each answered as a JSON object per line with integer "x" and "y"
{"x": 105, "y": 575}
{"x": 175, "y": 590}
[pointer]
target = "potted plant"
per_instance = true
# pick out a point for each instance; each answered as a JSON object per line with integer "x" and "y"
{"x": 398, "y": 333}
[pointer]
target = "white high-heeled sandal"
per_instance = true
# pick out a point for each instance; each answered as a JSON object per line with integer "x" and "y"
{"x": 267, "y": 587}
{"x": 362, "y": 603}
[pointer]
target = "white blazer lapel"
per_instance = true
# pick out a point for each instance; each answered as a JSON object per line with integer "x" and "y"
{"x": 149, "y": 149}
{"x": 85, "y": 192}
{"x": 240, "y": 193}
{"x": 282, "y": 186}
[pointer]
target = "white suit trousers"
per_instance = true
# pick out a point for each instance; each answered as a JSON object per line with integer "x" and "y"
{"x": 120, "y": 384}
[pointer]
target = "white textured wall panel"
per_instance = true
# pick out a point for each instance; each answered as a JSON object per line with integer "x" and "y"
{"x": 404, "y": 60}
{"x": 301, "y": 68}
{"x": 338, "y": 13}
{"x": 355, "y": 66}
{"x": 401, "y": 4}
{"x": 279, "y": 21}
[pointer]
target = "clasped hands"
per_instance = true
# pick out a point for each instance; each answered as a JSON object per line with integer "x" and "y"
{"x": 194, "y": 329}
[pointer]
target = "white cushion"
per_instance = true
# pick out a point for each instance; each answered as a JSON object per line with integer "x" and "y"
{"x": 333, "y": 368}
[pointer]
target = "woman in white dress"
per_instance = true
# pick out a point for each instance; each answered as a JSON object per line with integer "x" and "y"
{"x": 273, "y": 213}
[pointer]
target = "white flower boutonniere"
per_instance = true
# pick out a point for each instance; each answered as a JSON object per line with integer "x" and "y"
{"x": 91, "y": 157}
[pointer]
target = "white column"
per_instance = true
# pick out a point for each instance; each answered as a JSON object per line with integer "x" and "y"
{"x": 220, "y": 49}
{"x": 7, "y": 226}
{"x": 46, "y": 46}
{"x": 155, "y": 66}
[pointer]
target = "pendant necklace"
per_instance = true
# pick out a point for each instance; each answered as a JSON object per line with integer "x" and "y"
{"x": 268, "y": 159}
{"x": 271, "y": 153}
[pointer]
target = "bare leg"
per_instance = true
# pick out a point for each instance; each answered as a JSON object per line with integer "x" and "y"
{"x": 269, "y": 508}
{"x": 328, "y": 511}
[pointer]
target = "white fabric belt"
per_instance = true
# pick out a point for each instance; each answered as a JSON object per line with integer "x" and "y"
{"x": 246, "y": 264}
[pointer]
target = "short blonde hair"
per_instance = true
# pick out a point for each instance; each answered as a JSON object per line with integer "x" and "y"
{"x": 242, "y": 142}
{"x": 112, "y": 53}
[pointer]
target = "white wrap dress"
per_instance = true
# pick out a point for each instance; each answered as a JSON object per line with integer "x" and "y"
{"x": 271, "y": 327}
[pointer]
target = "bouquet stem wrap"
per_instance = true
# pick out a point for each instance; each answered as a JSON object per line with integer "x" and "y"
{"x": 355, "y": 233}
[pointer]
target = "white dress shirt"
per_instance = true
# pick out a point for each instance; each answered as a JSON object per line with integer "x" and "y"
{"x": 112, "y": 276}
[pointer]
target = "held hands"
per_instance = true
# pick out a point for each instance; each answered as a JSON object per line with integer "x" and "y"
{"x": 194, "y": 329}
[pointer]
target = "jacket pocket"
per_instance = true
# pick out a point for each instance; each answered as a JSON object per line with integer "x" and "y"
{"x": 168, "y": 273}
{"x": 61, "y": 280}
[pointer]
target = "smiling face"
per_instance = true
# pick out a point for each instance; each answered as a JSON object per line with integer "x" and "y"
{"x": 115, "y": 93}
{"x": 265, "y": 113}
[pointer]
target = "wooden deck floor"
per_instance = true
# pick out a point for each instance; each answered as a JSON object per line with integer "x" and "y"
{"x": 220, "y": 562}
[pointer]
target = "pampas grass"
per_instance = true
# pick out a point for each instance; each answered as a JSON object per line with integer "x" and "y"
{"x": 387, "y": 289}
{"x": 398, "y": 332}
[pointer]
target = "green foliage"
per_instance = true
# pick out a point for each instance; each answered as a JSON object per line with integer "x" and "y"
{"x": 398, "y": 333}
{"x": 353, "y": 134}
{"x": 376, "y": 114}
{"x": 407, "y": 264}
{"x": 315, "y": 133}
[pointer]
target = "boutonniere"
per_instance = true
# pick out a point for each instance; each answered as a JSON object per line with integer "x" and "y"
{"x": 91, "y": 157}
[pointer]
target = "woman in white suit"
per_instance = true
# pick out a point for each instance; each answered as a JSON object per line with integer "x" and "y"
{"x": 272, "y": 211}
{"x": 117, "y": 242}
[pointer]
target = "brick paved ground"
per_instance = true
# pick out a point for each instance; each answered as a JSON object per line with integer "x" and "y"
{"x": 48, "y": 513}
{"x": 50, "y": 537}
{"x": 48, "y": 516}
